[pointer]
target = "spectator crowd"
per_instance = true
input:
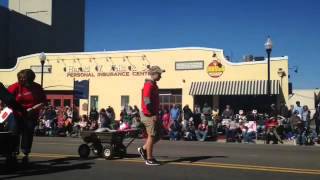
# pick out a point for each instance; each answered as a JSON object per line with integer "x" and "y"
{"x": 200, "y": 124}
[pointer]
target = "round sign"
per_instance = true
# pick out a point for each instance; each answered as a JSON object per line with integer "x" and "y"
{"x": 215, "y": 69}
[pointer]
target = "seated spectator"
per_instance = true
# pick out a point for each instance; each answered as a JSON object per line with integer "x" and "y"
{"x": 136, "y": 121}
{"x": 241, "y": 117}
{"x": 174, "y": 130}
{"x": 232, "y": 131}
{"x": 124, "y": 125}
{"x": 111, "y": 115}
{"x": 76, "y": 129}
{"x": 166, "y": 121}
{"x": 123, "y": 114}
{"x": 104, "y": 119}
{"x": 271, "y": 131}
{"x": 249, "y": 131}
{"x": 93, "y": 115}
{"x": 202, "y": 131}
{"x": 40, "y": 128}
{"x": 260, "y": 122}
{"x": 93, "y": 125}
{"x": 51, "y": 116}
{"x": 227, "y": 113}
{"x": 47, "y": 127}
{"x": 190, "y": 131}
{"x": 187, "y": 114}
{"x": 83, "y": 123}
{"x": 68, "y": 126}
{"x": 175, "y": 113}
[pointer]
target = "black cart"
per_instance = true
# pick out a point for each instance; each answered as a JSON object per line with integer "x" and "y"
{"x": 106, "y": 144}
{"x": 8, "y": 148}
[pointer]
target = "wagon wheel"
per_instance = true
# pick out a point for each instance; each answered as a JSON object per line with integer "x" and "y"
{"x": 108, "y": 152}
{"x": 97, "y": 149}
{"x": 84, "y": 151}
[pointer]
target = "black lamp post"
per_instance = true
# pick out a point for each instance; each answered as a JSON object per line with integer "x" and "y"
{"x": 268, "y": 46}
{"x": 42, "y": 58}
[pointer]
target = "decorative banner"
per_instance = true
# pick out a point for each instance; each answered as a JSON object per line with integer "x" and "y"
{"x": 81, "y": 89}
{"x": 215, "y": 69}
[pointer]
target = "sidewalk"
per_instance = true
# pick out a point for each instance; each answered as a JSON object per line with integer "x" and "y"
{"x": 285, "y": 142}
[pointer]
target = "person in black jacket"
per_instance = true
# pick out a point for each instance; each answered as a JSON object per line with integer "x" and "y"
{"x": 316, "y": 118}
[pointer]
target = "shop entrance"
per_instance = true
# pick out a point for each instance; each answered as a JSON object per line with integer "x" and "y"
{"x": 248, "y": 102}
{"x": 201, "y": 100}
{"x": 245, "y": 102}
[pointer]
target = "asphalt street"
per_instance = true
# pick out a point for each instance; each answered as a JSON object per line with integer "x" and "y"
{"x": 57, "y": 158}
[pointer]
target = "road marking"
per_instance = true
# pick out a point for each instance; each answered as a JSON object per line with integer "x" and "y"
{"x": 239, "y": 166}
{"x": 203, "y": 164}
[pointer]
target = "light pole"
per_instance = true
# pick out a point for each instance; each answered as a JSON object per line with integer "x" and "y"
{"x": 268, "y": 46}
{"x": 42, "y": 58}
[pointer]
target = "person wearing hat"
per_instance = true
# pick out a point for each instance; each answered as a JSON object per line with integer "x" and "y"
{"x": 150, "y": 108}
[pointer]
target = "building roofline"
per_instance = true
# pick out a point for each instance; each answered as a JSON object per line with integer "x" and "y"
{"x": 142, "y": 51}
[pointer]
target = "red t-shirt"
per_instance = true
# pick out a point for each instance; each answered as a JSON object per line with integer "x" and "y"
{"x": 150, "y": 95}
{"x": 28, "y": 96}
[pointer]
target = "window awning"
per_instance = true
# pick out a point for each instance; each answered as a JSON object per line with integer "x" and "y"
{"x": 249, "y": 87}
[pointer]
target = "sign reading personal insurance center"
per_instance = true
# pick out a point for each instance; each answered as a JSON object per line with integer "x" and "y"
{"x": 87, "y": 72}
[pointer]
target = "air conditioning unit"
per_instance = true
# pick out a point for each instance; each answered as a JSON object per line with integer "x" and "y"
{"x": 259, "y": 58}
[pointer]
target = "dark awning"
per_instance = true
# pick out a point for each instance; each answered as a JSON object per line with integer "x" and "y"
{"x": 249, "y": 87}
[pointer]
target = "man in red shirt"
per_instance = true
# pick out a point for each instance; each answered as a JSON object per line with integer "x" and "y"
{"x": 32, "y": 98}
{"x": 150, "y": 108}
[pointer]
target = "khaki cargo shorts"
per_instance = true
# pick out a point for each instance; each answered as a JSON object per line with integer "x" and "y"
{"x": 150, "y": 127}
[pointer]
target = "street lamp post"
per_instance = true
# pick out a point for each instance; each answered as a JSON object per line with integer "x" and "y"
{"x": 268, "y": 46}
{"x": 42, "y": 58}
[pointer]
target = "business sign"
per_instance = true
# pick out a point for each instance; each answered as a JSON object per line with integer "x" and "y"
{"x": 116, "y": 71}
{"x": 189, "y": 65}
{"x": 37, "y": 68}
{"x": 215, "y": 69}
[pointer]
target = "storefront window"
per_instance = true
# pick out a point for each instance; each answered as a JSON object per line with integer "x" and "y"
{"x": 166, "y": 99}
{"x": 125, "y": 101}
{"x": 57, "y": 103}
{"x": 66, "y": 102}
{"x": 169, "y": 97}
{"x": 94, "y": 102}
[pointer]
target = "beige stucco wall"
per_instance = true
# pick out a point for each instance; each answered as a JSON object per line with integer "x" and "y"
{"x": 109, "y": 89}
{"x": 40, "y": 10}
{"x": 305, "y": 96}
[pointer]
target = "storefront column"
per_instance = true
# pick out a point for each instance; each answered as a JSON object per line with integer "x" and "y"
{"x": 215, "y": 100}
{"x": 187, "y": 99}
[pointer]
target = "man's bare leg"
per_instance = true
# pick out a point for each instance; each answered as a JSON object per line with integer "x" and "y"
{"x": 149, "y": 147}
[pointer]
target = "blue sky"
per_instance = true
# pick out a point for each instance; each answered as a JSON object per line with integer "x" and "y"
{"x": 238, "y": 27}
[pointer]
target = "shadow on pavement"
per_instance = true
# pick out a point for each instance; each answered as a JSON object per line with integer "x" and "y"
{"x": 44, "y": 167}
{"x": 132, "y": 156}
{"x": 192, "y": 159}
